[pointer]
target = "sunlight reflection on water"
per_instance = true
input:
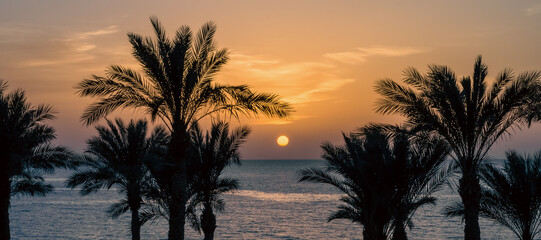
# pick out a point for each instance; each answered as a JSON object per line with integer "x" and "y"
{"x": 269, "y": 205}
{"x": 288, "y": 197}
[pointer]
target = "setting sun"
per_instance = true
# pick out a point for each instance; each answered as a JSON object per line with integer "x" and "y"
{"x": 282, "y": 141}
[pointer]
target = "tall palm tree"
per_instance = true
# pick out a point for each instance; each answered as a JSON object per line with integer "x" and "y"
{"x": 468, "y": 114}
{"x": 178, "y": 88}
{"x": 512, "y": 197}
{"x": 385, "y": 174}
{"x": 213, "y": 153}
{"x": 117, "y": 157}
{"x": 25, "y": 150}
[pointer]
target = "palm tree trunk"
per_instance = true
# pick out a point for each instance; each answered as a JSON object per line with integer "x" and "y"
{"x": 400, "y": 233}
{"x": 526, "y": 236}
{"x": 135, "y": 225}
{"x": 178, "y": 184}
{"x": 5, "y": 189}
{"x": 208, "y": 222}
{"x": 470, "y": 192}
{"x": 527, "y": 232}
{"x": 134, "y": 200}
{"x": 373, "y": 233}
{"x": 177, "y": 207}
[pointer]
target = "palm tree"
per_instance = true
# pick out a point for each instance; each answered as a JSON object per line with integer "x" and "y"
{"x": 213, "y": 152}
{"x": 177, "y": 88}
{"x": 513, "y": 195}
{"x": 25, "y": 150}
{"x": 385, "y": 175}
{"x": 468, "y": 114}
{"x": 117, "y": 157}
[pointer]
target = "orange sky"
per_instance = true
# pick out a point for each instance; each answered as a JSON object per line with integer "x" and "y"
{"x": 322, "y": 56}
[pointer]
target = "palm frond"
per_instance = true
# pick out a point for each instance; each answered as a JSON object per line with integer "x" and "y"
{"x": 30, "y": 183}
{"x": 456, "y": 209}
{"x": 117, "y": 209}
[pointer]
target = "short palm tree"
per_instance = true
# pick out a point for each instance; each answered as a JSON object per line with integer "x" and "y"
{"x": 213, "y": 153}
{"x": 25, "y": 150}
{"x": 513, "y": 195}
{"x": 178, "y": 88}
{"x": 386, "y": 175}
{"x": 117, "y": 157}
{"x": 468, "y": 114}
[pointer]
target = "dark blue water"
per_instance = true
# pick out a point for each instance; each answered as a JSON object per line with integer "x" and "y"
{"x": 270, "y": 205}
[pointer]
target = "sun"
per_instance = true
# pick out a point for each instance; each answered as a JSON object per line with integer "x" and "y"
{"x": 282, "y": 141}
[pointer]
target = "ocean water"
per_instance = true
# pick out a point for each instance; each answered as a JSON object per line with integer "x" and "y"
{"x": 269, "y": 205}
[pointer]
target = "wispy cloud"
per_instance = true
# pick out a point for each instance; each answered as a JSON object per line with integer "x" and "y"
{"x": 360, "y": 55}
{"x": 106, "y": 31}
{"x": 534, "y": 10}
{"x": 50, "y": 49}
{"x": 297, "y": 82}
{"x": 269, "y": 121}
{"x": 80, "y": 42}
{"x": 328, "y": 85}
{"x": 303, "y": 82}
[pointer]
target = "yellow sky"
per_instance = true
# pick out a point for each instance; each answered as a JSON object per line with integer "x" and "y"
{"x": 322, "y": 56}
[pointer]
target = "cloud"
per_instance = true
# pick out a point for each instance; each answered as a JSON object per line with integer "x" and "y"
{"x": 303, "y": 83}
{"x": 106, "y": 31}
{"x": 16, "y": 33}
{"x": 297, "y": 82}
{"x": 328, "y": 85}
{"x": 51, "y": 46}
{"x": 533, "y": 10}
{"x": 361, "y": 54}
{"x": 270, "y": 121}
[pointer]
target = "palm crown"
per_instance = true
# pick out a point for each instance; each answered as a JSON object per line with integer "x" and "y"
{"x": 25, "y": 150}
{"x": 178, "y": 84}
{"x": 118, "y": 156}
{"x": 385, "y": 177}
{"x": 468, "y": 114}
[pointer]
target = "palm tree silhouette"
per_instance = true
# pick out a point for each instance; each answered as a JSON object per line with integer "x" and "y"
{"x": 212, "y": 154}
{"x": 386, "y": 175}
{"x": 117, "y": 157}
{"x": 512, "y": 197}
{"x": 178, "y": 88}
{"x": 470, "y": 116}
{"x": 25, "y": 150}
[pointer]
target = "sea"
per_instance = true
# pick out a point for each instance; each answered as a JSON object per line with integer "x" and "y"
{"x": 270, "y": 204}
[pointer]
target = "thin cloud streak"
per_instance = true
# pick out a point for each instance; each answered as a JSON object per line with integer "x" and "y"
{"x": 360, "y": 55}
{"x": 100, "y": 32}
{"x": 72, "y": 49}
{"x": 327, "y": 86}
{"x": 267, "y": 121}
{"x": 533, "y": 10}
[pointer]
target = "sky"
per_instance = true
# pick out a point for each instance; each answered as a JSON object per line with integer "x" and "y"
{"x": 324, "y": 57}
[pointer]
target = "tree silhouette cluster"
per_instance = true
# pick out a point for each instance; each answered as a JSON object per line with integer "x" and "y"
{"x": 175, "y": 170}
{"x": 469, "y": 117}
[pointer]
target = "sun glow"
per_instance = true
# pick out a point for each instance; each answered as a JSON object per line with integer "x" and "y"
{"x": 282, "y": 141}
